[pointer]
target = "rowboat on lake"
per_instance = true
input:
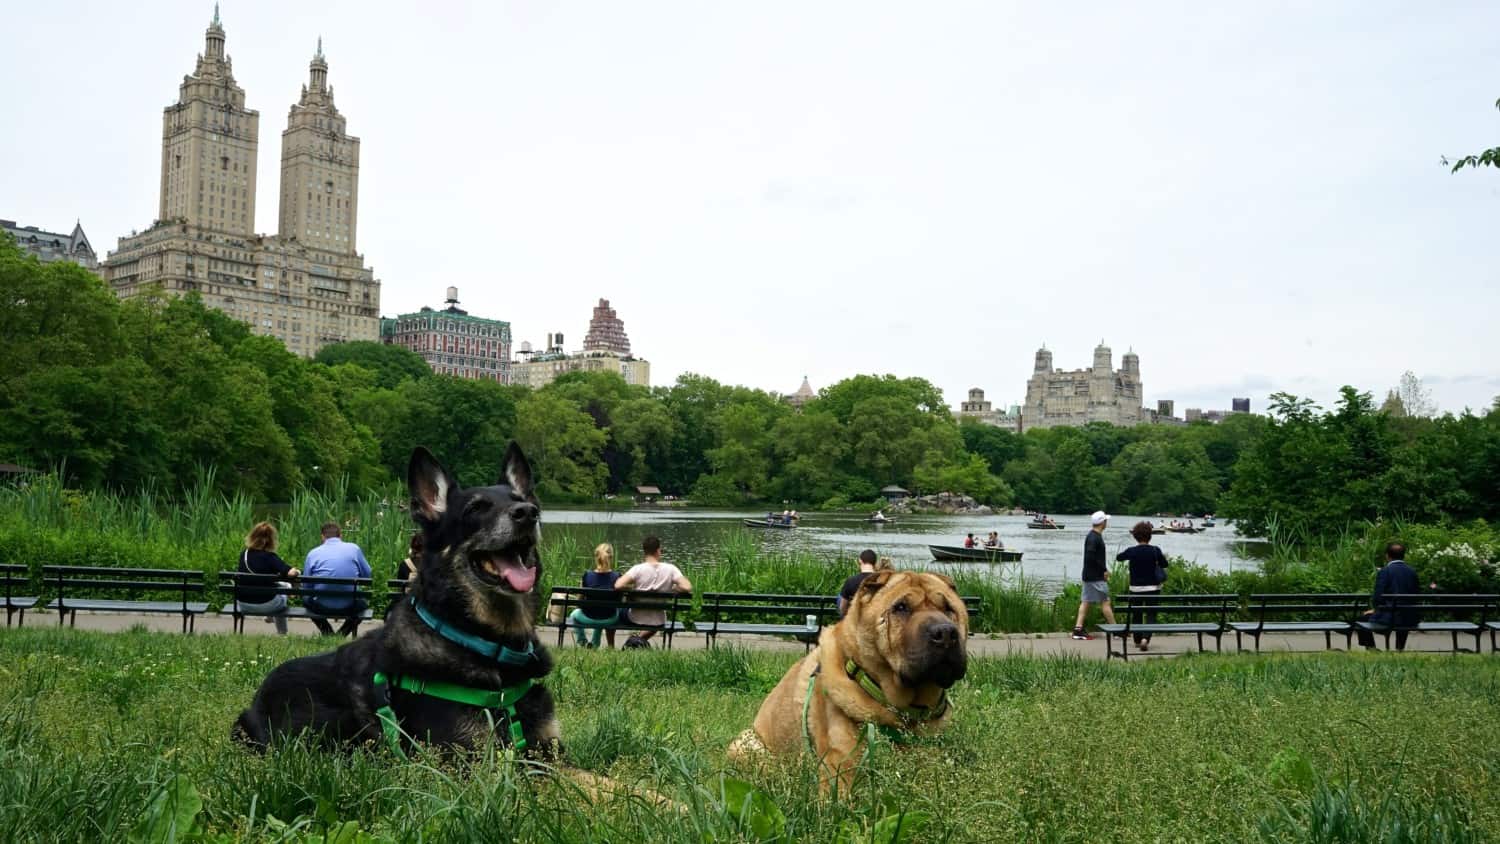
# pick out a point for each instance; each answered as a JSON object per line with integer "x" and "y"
{"x": 762, "y": 523}
{"x": 1044, "y": 526}
{"x": 960, "y": 554}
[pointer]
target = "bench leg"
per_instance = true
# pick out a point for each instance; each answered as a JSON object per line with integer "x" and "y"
{"x": 561, "y": 628}
{"x": 73, "y": 618}
{"x": 1200, "y": 643}
{"x": 1327, "y": 640}
{"x": 1257, "y": 642}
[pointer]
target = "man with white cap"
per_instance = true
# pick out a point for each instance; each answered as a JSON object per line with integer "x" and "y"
{"x": 1095, "y": 575}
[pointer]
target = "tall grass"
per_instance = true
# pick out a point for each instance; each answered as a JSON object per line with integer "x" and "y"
{"x": 44, "y": 523}
{"x": 95, "y": 728}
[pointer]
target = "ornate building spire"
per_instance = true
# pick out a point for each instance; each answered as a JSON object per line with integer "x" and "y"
{"x": 213, "y": 48}
{"x": 318, "y": 70}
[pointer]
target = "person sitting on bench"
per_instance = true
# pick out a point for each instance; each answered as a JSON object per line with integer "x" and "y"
{"x": 651, "y": 575}
{"x": 1395, "y": 578}
{"x": 335, "y": 558}
{"x": 259, "y": 557}
{"x": 601, "y": 620}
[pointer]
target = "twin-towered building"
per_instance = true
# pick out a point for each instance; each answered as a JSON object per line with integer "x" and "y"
{"x": 1100, "y": 393}
{"x": 306, "y": 285}
{"x": 1073, "y": 397}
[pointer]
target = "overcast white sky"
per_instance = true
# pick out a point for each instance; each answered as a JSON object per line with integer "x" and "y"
{"x": 1247, "y": 194}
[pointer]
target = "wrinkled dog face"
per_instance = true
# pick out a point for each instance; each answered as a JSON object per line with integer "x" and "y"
{"x": 917, "y": 624}
{"x": 481, "y": 542}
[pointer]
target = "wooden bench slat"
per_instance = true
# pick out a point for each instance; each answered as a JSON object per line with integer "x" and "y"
{"x": 137, "y": 606}
{"x": 52, "y": 572}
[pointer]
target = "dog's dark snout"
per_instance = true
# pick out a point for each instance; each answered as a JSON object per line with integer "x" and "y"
{"x": 943, "y": 634}
{"x": 525, "y": 512}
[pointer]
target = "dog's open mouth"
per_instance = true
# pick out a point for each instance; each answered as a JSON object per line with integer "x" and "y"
{"x": 505, "y": 570}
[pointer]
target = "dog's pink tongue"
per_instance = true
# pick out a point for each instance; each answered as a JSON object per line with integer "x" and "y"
{"x": 519, "y": 577}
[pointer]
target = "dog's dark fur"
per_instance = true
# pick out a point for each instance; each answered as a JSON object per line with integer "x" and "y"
{"x": 331, "y": 696}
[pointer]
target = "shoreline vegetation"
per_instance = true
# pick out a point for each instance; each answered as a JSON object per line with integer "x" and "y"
{"x": 106, "y": 734}
{"x": 45, "y": 523}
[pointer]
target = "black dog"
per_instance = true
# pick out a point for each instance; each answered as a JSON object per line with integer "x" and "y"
{"x": 459, "y": 659}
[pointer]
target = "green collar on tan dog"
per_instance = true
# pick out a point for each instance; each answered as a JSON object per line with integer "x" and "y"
{"x": 910, "y": 715}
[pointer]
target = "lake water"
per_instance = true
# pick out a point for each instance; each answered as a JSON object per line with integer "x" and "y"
{"x": 1049, "y": 557}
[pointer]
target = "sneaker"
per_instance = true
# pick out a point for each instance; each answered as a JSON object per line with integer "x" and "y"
{"x": 1081, "y": 636}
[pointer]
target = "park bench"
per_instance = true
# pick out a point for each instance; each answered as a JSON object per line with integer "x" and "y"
{"x": 85, "y": 582}
{"x": 776, "y": 615}
{"x": 14, "y": 577}
{"x": 300, "y": 587}
{"x": 569, "y": 598}
{"x": 1201, "y": 615}
{"x": 766, "y": 615}
{"x": 1300, "y": 613}
{"x": 395, "y": 591}
{"x": 1468, "y": 615}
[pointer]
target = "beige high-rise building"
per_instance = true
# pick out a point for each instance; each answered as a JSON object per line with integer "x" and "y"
{"x": 319, "y": 168}
{"x": 305, "y": 285}
{"x": 208, "y": 145}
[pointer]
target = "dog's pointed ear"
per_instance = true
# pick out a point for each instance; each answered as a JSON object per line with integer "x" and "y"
{"x": 429, "y": 484}
{"x": 516, "y": 472}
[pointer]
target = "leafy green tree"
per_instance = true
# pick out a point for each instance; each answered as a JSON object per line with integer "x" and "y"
{"x": 997, "y": 446}
{"x": 643, "y": 433}
{"x": 563, "y": 445}
{"x": 467, "y": 424}
{"x": 1488, "y": 158}
{"x": 391, "y": 364}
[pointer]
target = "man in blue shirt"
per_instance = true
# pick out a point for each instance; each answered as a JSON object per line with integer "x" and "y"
{"x": 335, "y": 558}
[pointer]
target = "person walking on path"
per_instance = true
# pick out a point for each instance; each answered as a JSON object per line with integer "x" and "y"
{"x": 335, "y": 558}
{"x": 1095, "y": 576}
{"x": 602, "y": 621}
{"x": 651, "y": 575}
{"x": 1395, "y": 578}
{"x": 1148, "y": 571}
{"x": 259, "y": 557}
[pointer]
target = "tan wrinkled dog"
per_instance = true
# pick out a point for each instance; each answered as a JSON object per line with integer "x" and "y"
{"x": 888, "y": 663}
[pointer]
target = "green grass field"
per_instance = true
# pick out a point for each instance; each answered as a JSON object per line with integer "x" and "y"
{"x": 102, "y": 735}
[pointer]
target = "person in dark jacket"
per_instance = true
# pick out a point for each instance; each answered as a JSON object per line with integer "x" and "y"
{"x": 259, "y": 557}
{"x": 1395, "y": 578}
{"x": 601, "y": 620}
{"x": 1095, "y": 575}
{"x": 1148, "y": 571}
{"x": 409, "y": 566}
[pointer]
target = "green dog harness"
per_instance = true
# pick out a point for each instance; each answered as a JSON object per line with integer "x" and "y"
{"x": 504, "y": 700}
{"x": 910, "y": 715}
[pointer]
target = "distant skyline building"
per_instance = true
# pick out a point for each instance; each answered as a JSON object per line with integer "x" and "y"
{"x": 1080, "y": 396}
{"x": 538, "y": 369}
{"x": 305, "y": 285}
{"x": 1239, "y": 405}
{"x": 606, "y": 332}
{"x": 980, "y": 410}
{"x": 803, "y": 395}
{"x": 453, "y": 342}
{"x": 54, "y": 246}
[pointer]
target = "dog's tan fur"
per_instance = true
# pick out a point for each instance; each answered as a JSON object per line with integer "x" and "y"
{"x": 879, "y": 641}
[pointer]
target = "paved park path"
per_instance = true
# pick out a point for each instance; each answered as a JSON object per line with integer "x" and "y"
{"x": 1031, "y": 644}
